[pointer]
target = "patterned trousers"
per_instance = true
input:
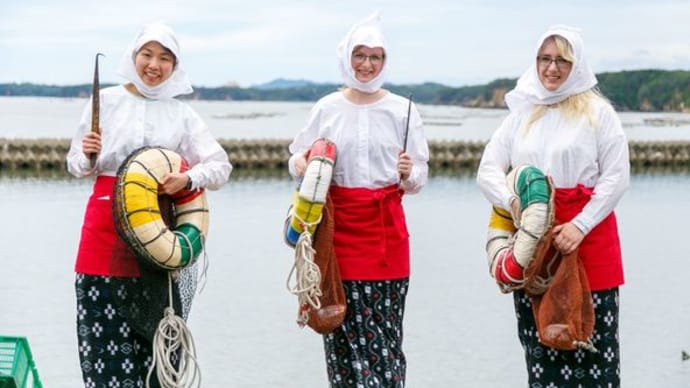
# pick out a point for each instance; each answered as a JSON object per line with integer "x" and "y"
{"x": 366, "y": 350}
{"x": 551, "y": 368}
{"x": 111, "y": 354}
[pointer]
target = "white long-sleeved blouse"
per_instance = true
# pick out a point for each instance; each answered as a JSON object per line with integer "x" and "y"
{"x": 129, "y": 122}
{"x": 369, "y": 139}
{"x": 572, "y": 152}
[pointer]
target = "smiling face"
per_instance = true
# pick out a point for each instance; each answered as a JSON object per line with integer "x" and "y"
{"x": 154, "y": 63}
{"x": 552, "y": 66}
{"x": 367, "y": 62}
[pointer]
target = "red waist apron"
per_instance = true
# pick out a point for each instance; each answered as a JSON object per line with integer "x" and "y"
{"x": 370, "y": 239}
{"x": 101, "y": 251}
{"x": 600, "y": 250}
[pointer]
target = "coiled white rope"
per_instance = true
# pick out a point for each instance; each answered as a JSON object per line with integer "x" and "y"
{"x": 307, "y": 284}
{"x": 173, "y": 340}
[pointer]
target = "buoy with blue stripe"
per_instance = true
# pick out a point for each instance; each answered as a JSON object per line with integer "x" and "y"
{"x": 310, "y": 196}
{"x": 303, "y": 218}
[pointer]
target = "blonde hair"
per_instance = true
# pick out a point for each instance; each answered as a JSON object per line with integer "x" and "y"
{"x": 574, "y": 106}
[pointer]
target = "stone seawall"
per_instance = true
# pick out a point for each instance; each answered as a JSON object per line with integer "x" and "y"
{"x": 271, "y": 155}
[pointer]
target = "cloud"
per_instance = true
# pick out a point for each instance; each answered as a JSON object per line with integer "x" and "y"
{"x": 453, "y": 42}
{"x": 669, "y": 57}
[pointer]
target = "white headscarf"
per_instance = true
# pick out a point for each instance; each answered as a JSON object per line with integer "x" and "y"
{"x": 529, "y": 90}
{"x": 364, "y": 33}
{"x": 178, "y": 82}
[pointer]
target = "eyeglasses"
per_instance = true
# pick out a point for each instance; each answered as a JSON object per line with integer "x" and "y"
{"x": 545, "y": 61}
{"x": 361, "y": 58}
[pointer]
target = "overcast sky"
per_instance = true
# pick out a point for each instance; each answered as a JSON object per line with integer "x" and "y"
{"x": 454, "y": 42}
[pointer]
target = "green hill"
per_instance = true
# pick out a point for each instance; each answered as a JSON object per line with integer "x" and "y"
{"x": 638, "y": 90}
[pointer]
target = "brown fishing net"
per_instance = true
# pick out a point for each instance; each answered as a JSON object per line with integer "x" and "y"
{"x": 332, "y": 312}
{"x": 561, "y": 298}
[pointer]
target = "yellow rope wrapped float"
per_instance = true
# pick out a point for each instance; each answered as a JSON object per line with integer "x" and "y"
{"x": 138, "y": 216}
{"x": 304, "y": 216}
{"x": 511, "y": 245}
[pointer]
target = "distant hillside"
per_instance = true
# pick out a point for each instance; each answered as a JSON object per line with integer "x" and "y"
{"x": 647, "y": 90}
{"x": 639, "y": 90}
{"x": 282, "y": 83}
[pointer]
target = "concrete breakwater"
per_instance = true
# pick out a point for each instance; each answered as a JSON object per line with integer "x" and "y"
{"x": 48, "y": 155}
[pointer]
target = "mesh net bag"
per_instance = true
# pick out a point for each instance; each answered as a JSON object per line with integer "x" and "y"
{"x": 561, "y": 298}
{"x": 332, "y": 312}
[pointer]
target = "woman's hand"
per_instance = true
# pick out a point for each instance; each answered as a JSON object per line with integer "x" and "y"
{"x": 174, "y": 182}
{"x": 300, "y": 165}
{"x": 91, "y": 144}
{"x": 404, "y": 165}
{"x": 567, "y": 237}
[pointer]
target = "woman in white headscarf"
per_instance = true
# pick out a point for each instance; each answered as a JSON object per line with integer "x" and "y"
{"x": 141, "y": 112}
{"x": 559, "y": 123}
{"x": 378, "y": 161}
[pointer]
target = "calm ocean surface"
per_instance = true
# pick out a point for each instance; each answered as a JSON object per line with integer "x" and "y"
{"x": 36, "y": 117}
{"x": 459, "y": 330}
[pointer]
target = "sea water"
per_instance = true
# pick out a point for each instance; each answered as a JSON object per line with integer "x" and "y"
{"x": 460, "y": 331}
{"x": 46, "y": 117}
